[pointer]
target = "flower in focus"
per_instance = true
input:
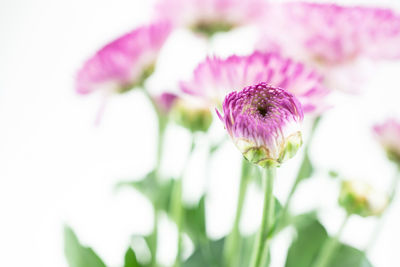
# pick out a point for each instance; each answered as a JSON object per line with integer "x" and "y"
{"x": 332, "y": 37}
{"x": 215, "y": 77}
{"x": 125, "y": 62}
{"x": 165, "y": 102}
{"x": 358, "y": 197}
{"x": 210, "y": 16}
{"x": 388, "y": 135}
{"x": 264, "y": 123}
{"x": 192, "y": 114}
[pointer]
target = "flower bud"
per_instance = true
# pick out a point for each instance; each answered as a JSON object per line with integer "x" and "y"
{"x": 388, "y": 135}
{"x": 358, "y": 197}
{"x": 165, "y": 102}
{"x": 264, "y": 123}
{"x": 192, "y": 114}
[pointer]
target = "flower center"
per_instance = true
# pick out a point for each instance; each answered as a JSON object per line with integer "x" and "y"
{"x": 262, "y": 110}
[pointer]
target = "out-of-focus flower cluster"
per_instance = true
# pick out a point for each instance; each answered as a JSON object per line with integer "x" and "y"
{"x": 214, "y": 78}
{"x": 210, "y": 16}
{"x": 335, "y": 39}
{"x": 304, "y": 51}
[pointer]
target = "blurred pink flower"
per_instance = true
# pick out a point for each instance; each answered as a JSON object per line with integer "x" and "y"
{"x": 125, "y": 62}
{"x": 388, "y": 135}
{"x": 214, "y": 78}
{"x": 165, "y": 101}
{"x": 330, "y": 36}
{"x": 210, "y": 16}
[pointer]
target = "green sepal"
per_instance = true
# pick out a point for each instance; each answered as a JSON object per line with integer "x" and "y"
{"x": 210, "y": 28}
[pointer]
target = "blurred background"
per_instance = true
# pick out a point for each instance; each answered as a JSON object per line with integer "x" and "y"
{"x": 57, "y": 167}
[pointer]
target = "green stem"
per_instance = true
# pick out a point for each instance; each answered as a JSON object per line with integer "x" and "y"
{"x": 213, "y": 147}
{"x": 379, "y": 225}
{"x": 329, "y": 247}
{"x": 266, "y": 222}
{"x": 162, "y": 123}
{"x": 232, "y": 246}
{"x": 299, "y": 176}
{"x": 178, "y": 205}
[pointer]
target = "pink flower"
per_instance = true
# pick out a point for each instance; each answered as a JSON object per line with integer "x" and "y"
{"x": 332, "y": 37}
{"x": 210, "y": 16}
{"x": 264, "y": 123}
{"x": 214, "y": 78}
{"x": 125, "y": 62}
{"x": 165, "y": 101}
{"x": 333, "y": 33}
{"x": 388, "y": 135}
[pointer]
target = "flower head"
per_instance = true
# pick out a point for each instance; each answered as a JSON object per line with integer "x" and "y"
{"x": 165, "y": 101}
{"x": 335, "y": 39}
{"x": 216, "y": 77}
{"x": 334, "y": 33}
{"x": 125, "y": 62}
{"x": 264, "y": 123}
{"x": 358, "y": 197}
{"x": 388, "y": 135}
{"x": 210, "y": 16}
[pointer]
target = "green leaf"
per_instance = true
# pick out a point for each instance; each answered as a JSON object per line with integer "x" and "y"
{"x": 297, "y": 221}
{"x": 78, "y": 255}
{"x": 195, "y": 221}
{"x": 158, "y": 192}
{"x": 130, "y": 259}
{"x": 306, "y": 168}
{"x": 311, "y": 237}
{"x": 210, "y": 254}
{"x": 246, "y": 251}
{"x": 304, "y": 249}
{"x": 347, "y": 256}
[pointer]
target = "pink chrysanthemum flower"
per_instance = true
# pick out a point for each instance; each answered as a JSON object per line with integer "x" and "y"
{"x": 210, "y": 16}
{"x": 216, "y": 77}
{"x": 125, "y": 62}
{"x": 332, "y": 37}
{"x": 388, "y": 135}
{"x": 264, "y": 123}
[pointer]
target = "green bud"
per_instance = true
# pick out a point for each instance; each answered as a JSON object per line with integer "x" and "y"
{"x": 360, "y": 198}
{"x": 192, "y": 116}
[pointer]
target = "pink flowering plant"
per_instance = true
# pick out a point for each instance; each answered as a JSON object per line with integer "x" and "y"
{"x": 335, "y": 39}
{"x": 261, "y": 102}
{"x": 208, "y": 17}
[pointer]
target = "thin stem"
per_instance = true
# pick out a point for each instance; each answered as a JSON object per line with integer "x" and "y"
{"x": 395, "y": 183}
{"x": 162, "y": 123}
{"x": 380, "y": 223}
{"x": 178, "y": 204}
{"x": 266, "y": 222}
{"x": 329, "y": 248}
{"x": 233, "y": 241}
{"x": 299, "y": 176}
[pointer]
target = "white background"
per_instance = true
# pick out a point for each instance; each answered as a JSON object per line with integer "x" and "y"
{"x": 56, "y": 167}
